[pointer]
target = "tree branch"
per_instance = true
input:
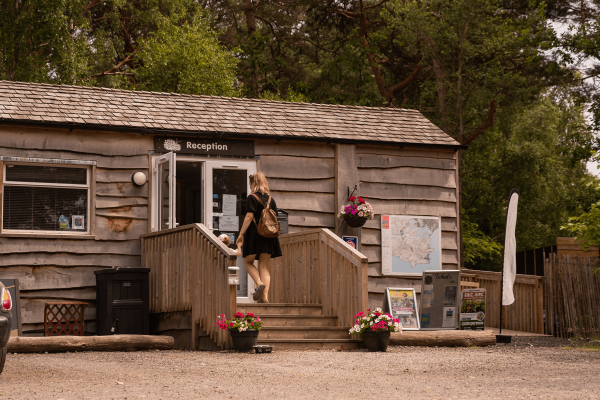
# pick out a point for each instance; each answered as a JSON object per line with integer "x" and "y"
{"x": 116, "y": 67}
{"x": 487, "y": 124}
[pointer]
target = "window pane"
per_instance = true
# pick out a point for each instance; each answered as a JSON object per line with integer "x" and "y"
{"x": 46, "y": 174}
{"x": 45, "y": 209}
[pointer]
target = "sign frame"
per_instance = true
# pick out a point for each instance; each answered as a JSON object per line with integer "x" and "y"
{"x": 387, "y": 305}
{"x": 440, "y": 300}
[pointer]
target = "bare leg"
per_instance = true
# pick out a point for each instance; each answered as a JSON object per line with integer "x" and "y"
{"x": 264, "y": 263}
{"x": 252, "y": 270}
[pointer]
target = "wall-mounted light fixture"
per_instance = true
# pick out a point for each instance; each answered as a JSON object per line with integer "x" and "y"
{"x": 139, "y": 178}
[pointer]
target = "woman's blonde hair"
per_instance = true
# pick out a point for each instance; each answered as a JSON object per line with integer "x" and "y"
{"x": 258, "y": 183}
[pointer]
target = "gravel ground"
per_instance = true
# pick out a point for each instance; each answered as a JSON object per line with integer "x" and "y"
{"x": 529, "y": 367}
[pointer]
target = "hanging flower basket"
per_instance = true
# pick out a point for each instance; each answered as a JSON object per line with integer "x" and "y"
{"x": 355, "y": 222}
{"x": 357, "y": 213}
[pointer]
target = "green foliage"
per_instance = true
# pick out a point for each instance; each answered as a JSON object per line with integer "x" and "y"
{"x": 585, "y": 228}
{"x": 291, "y": 96}
{"x": 480, "y": 251}
{"x": 543, "y": 158}
{"x": 43, "y": 41}
{"x": 186, "y": 58}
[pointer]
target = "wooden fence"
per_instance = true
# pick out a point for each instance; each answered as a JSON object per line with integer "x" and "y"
{"x": 525, "y": 314}
{"x": 572, "y": 300}
{"x": 317, "y": 267}
{"x": 189, "y": 270}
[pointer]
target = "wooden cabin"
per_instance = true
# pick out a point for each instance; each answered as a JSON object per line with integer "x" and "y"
{"x": 88, "y": 174}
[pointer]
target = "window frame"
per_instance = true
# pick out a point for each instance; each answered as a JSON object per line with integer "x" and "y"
{"x": 90, "y": 186}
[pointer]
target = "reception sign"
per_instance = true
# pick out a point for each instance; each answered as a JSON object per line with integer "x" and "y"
{"x": 204, "y": 146}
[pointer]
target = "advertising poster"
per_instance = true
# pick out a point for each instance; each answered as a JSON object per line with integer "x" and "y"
{"x": 472, "y": 309}
{"x": 401, "y": 303}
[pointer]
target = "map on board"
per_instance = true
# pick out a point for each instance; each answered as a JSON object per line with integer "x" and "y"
{"x": 410, "y": 244}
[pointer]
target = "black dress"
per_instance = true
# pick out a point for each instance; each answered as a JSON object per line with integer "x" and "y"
{"x": 253, "y": 242}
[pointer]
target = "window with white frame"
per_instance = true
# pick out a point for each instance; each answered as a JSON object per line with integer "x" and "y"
{"x": 40, "y": 198}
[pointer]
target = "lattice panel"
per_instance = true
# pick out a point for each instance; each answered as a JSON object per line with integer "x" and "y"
{"x": 64, "y": 319}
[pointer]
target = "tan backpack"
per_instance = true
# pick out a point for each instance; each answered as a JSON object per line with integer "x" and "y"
{"x": 267, "y": 225}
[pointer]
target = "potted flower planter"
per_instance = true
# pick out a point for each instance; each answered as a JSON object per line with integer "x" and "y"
{"x": 376, "y": 341}
{"x": 375, "y": 327}
{"x": 244, "y": 330}
{"x": 243, "y": 341}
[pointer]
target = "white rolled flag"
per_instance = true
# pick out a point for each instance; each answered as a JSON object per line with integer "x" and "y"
{"x": 509, "y": 269}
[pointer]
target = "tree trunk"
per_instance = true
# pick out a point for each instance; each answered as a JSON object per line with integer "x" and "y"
{"x": 251, "y": 25}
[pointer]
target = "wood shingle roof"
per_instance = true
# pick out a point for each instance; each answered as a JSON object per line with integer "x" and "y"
{"x": 112, "y": 109}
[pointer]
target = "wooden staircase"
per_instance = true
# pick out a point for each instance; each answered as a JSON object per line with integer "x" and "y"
{"x": 289, "y": 326}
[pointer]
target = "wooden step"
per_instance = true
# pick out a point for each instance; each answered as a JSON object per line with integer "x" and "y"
{"x": 312, "y": 344}
{"x": 279, "y": 308}
{"x": 298, "y": 320}
{"x": 304, "y": 332}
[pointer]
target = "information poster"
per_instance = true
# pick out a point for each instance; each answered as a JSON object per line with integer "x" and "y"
{"x": 472, "y": 309}
{"x": 229, "y": 223}
{"x": 401, "y": 303}
{"x": 439, "y": 300}
{"x": 229, "y": 204}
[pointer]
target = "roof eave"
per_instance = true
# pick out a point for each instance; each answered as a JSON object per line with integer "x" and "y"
{"x": 232, "y": 135}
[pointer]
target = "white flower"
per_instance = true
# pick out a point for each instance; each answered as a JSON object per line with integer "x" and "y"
{"x": 360, "y": 214}
{"x": 352, "y": 330}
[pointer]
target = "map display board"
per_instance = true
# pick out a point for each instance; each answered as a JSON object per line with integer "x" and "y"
{"x": 401, "y": 303}
{"x": 472, "y": 309}
{"x": 410, "y": 244}
{"x": 440, "y": 302}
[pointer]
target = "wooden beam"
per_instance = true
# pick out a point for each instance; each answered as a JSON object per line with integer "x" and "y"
{"x": 443, "y": 338}
{"x": 60, "y": 344}
{"x": 346, "y": 176}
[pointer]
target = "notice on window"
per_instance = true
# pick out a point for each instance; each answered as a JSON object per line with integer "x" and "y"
{"x": 229, "y": 223}
{"x": 449, "y": 317}
{"x": 229, "y": 204}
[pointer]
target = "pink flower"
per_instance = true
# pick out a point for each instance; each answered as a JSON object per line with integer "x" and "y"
{"x": 238, "y": 315}
{"x": 352, "y": 198}
{"x": 368, "y": 309}
{"x": 251, "y": 323}
{"x": 231, "y": 324}
{"x": 249, "y": 315}
{"x": 374, "y": 328}
{"x": 258, "y": 318}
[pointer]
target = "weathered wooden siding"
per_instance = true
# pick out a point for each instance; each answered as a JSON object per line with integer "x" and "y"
{"x": 301, "y": 177}
{"x": 61, "y": 269}
{"x": 407, "y": 182}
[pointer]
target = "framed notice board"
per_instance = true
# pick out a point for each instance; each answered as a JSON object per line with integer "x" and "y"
{"x": 13, "y": 288}
{"x": 401, "y": 303}
{"x": 440, "y": 300}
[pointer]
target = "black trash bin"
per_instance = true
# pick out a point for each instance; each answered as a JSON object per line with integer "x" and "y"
{"x": 122, "y": 301}
{"x": 282, "y": 218}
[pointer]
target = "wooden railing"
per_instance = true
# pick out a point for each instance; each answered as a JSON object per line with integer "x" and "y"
{"x": 189, "y": 270}
{"x": 525, "y": 314}
{"x": 572, "y": 298}
{"x": 317, "y": 267}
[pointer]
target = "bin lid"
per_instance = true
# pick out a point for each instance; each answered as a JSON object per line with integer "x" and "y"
{"x": 121, "y": 270}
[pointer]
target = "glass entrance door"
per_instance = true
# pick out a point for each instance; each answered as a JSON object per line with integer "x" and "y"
{"x": 163, "y": 182}
{"x": 225, "y": 207}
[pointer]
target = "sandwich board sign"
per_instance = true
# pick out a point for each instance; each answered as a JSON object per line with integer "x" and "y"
{"x": 440, "y": 300}
{"x": 472, "y": 309}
